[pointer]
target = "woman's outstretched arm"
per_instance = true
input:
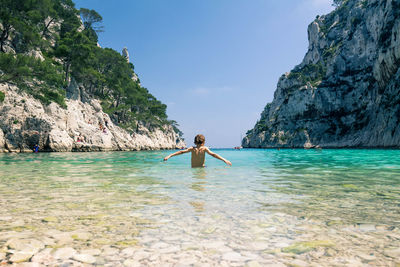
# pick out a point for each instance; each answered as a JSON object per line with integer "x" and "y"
{"x": 215, "y": 155}
{"x": 180, "y": 152}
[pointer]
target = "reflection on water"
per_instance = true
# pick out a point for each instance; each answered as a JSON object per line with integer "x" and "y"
{"x": 287, "y": 207}
{"x": 198, "y": 184}
{"x": 199, "y": 179}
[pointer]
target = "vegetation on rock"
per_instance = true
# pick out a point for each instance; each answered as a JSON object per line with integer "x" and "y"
{"x": 311, "y": 73}
{"x": 44, "y": 45}
{"x": 41, "y": 79}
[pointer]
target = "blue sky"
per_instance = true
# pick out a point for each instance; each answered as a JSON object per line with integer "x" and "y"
{"x": 215, "y": 63}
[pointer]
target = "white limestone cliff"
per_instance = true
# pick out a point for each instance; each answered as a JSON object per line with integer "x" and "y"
{"x": 25, "y": 121}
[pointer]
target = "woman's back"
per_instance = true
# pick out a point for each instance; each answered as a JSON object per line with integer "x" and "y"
{"x": 198, "y": 156}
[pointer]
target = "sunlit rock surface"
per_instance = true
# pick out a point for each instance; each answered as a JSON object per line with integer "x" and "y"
{"x": 26, "y": 122}
{"x": 345, "y": 93}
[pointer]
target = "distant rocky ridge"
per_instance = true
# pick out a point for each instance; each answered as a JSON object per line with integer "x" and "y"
{"x": 346, "y": 92}
{"x": 25, "y": 121}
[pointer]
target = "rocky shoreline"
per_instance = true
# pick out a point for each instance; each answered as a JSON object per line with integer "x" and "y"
{"x": 81, "y": 127}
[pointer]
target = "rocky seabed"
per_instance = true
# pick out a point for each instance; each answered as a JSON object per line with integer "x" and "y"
{"x": 278, "y": 240}
{"x": 134, "y": 210}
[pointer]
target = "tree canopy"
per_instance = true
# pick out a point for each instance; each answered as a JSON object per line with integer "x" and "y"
{"x": 70, "y": 51}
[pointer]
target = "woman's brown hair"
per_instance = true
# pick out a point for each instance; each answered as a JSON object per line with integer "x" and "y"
{"x": 199, "y": 139}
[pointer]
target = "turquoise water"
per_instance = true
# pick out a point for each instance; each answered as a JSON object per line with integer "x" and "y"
{"x": 286, "y": 207}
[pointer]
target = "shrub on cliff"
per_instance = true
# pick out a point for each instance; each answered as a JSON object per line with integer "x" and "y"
{"x": 42, "y": 79}
{"x": 312, "y": 73}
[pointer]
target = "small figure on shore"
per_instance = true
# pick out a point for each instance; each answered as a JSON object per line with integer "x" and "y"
{"x": 198, "y": 153}
{"x": 80, "y": 138}
{"x": 101, "y": 126}
{"x": 36, "y": 148}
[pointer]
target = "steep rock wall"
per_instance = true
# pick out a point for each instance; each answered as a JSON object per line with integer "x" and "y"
{"x": 346, "y": 91}
{"x": 25, "y": 122}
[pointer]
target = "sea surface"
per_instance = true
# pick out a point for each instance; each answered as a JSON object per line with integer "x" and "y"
{"x": 271, "y": 208}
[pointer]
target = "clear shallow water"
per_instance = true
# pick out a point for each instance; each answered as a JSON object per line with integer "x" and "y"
{"x": 287, "y": 207}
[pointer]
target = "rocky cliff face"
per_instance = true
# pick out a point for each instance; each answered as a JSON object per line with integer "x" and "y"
{"x": 346, "y": 92}
{"x": 26, "y": 122}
